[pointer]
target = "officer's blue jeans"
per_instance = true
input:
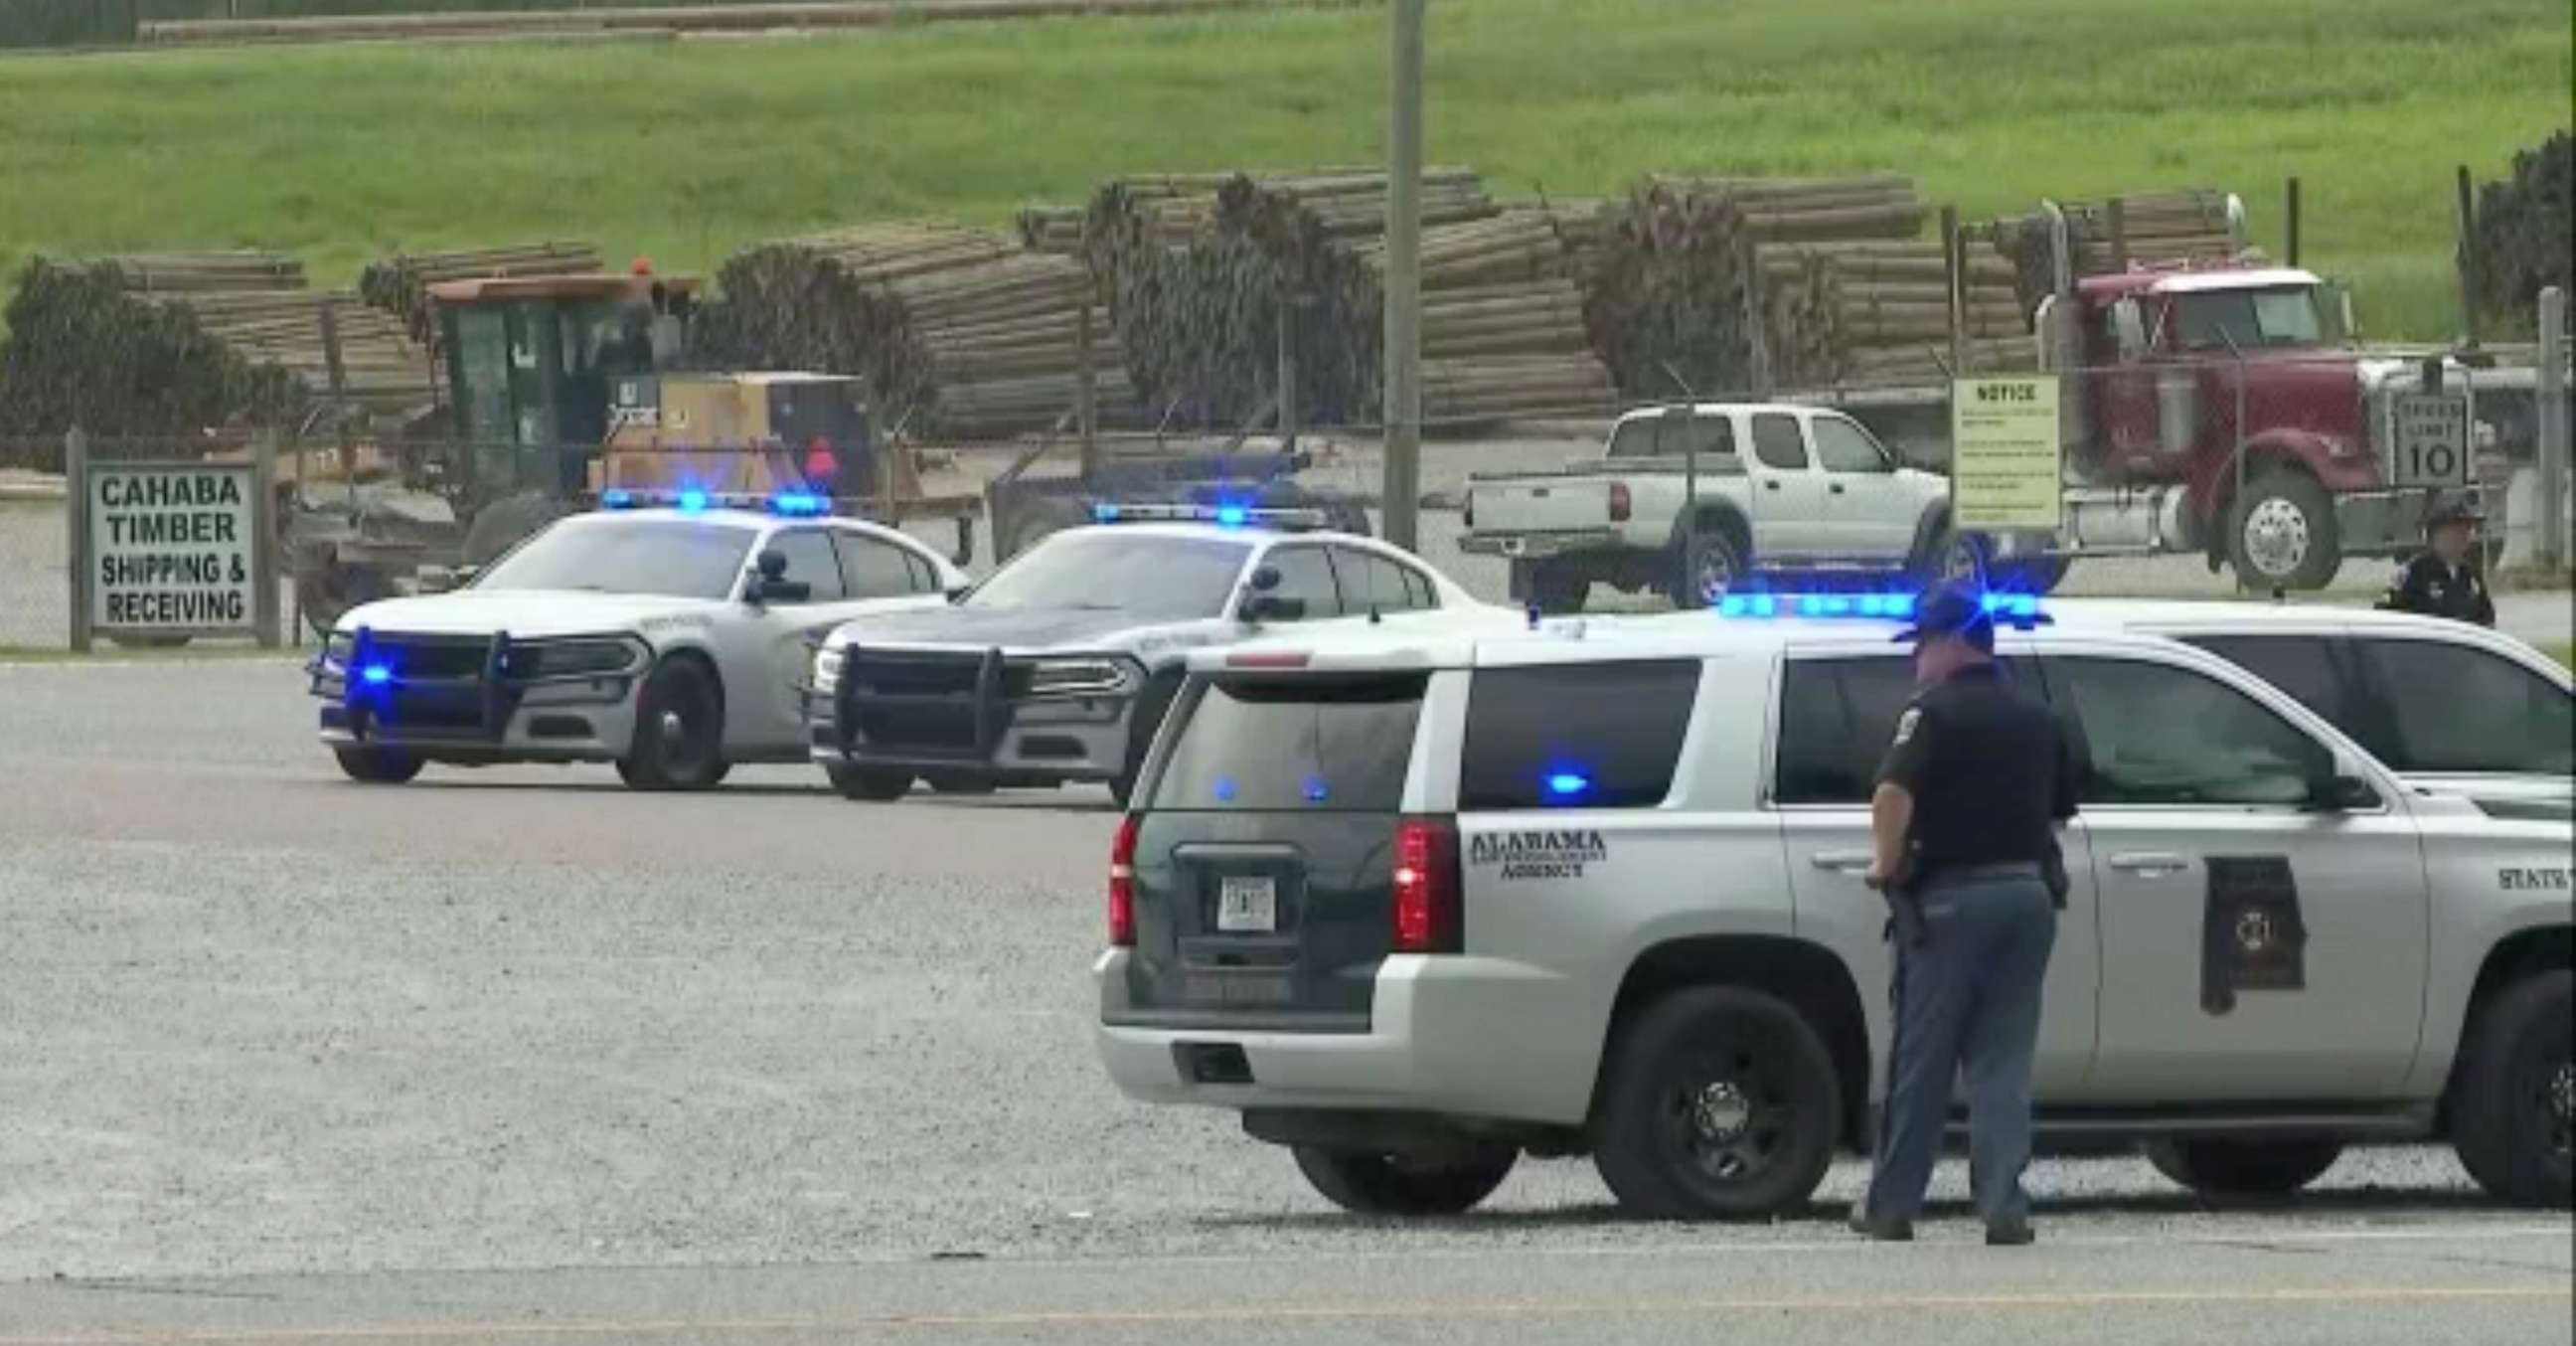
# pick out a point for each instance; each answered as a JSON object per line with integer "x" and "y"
{"x": 1966, "y": 1000}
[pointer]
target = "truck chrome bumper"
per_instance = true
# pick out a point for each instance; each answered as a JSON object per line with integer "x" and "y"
{"x": 1536, "y": 546}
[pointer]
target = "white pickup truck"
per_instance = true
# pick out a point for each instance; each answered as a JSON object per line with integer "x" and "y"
{"x": 1679, "y": 504}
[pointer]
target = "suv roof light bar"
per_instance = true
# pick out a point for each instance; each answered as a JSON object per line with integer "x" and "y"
{"x": 1222, "y": 515}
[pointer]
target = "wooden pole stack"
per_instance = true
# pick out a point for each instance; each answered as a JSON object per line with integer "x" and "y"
{"x": 1838, "y": 313}
{"x": 2152, "y": 227}
{"x": 385, "y": 373}
{"x": 1502, "y": 323}
{"x": 399, "y": 284}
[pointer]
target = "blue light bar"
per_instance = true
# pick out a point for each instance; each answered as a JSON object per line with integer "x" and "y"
{"x": 799, "y": 502}
{"x": 1104, "y": 513}
{"x": 2011, "y": 605}
{"x": 1231, "y": 516}
{"x": 693, "y": 500}
{"x": 616, "y": 498}
{"x": 1875, "y": 606}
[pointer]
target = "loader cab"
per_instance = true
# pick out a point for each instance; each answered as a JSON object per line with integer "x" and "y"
{"x": 533, "y": 365}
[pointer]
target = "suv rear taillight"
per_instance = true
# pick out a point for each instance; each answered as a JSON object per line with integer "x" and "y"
{"x": 1427, "y": 917}
{"x": 1620, "y": 505}
{"x": 1122, "y": 884}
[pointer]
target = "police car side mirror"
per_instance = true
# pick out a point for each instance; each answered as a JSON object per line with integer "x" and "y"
{"x": 957, "y": 593}
{"x": 772, "y": 563}
{"x": 2341, "y": 788}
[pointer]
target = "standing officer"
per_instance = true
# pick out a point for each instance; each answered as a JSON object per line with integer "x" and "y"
{"x": 2443, "y": 579}
{"x": 1964, "y": 843}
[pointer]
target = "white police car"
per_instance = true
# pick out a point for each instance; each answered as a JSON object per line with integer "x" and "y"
{"x": 669, "y": 640}
{"x": 1059, "y": 666}
{"x": 1417, "y": 906}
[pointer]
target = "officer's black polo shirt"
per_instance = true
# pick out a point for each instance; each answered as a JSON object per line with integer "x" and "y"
{"x": 1989, "y": 769}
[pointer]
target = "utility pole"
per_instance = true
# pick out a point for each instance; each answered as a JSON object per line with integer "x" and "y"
{"x": 1402, "y": 491}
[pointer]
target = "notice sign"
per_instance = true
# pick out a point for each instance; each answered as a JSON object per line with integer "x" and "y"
{"x": 2432, "y": 440}
{"x": 2004, "y": 471}
{"x": 171, "y": 547}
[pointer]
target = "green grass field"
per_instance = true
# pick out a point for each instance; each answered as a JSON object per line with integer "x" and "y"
{"x": 685, "y": 150}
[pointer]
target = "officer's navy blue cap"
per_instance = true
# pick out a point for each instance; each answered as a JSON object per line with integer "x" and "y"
{"x": 2454, "y": 510}
{"x": 1948, "y": 610}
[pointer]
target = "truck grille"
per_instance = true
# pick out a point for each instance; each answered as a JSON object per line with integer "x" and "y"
{"x": 437, "y": 688}
{"x": 938, "y": 703}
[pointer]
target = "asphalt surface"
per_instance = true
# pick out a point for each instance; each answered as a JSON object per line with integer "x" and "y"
{"x": 515, "y": 1054}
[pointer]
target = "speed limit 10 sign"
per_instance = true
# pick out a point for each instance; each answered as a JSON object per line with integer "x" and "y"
{"x": 2432, "y": 440}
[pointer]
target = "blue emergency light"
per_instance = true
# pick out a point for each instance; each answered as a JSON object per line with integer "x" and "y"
{"x": 692, "y": 501}
{"x": 799, "y": 503}
{"x": 618, "y": 498}
{"x": 375, "y": 675}
{"x": 1567, "y": 784}
{"x": 1231, "y": 516}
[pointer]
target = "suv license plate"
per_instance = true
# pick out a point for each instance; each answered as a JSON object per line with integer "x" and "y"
{"x": 1247, "y": 903}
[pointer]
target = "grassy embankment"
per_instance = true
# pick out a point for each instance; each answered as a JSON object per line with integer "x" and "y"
{"x": 685, "y": 150}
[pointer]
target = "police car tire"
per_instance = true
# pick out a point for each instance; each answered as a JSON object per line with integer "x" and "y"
{"x": 1382, "y": 1184}
{"x": 871, "y": 784}
{"x": 378, "y": 766}
{"x": 2221, "y": 1169}
{"x": 685, "y": 685}
{"x": 1645, "y": 1164}
{"x": 2499, "y": 1123}
{"x": 960, "y": 782}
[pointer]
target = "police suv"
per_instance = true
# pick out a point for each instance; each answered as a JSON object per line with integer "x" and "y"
{"x": 1414, "y": 908}
{"x": 668, "y": 640}
{"x": 1059, "y": 666}
{"x": 2442, "y": 703}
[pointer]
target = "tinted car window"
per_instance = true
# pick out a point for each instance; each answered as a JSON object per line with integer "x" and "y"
{"x": 874, "y": 569}
{"x": 1837, "y": 719}
{"x": 1111, "y": 571}
{"x": 1579, "y": 736}
{"x": 2305, "y": 666}
{"x": 678, "y": 558}
{"x": 1305, "y": 574}
{"x": 810, "y": 561}
{"x": 1370, "y": 579}
{"x": 1304, "y": 744}
{"x": 2455, "y": 708}
{"x": 1844, "y": 447}
{"x": 1635, "y": 438}
{"x": 1778, "y": 444}
{"x": 2156, "y": 734}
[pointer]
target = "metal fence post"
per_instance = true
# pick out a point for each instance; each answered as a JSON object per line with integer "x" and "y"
{"x": 263, "y": 547}
{"x": 2550, "y": 405}
{"x": 81, "y": 570}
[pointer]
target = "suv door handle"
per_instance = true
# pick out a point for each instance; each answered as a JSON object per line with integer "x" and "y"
{"x": 2149, "y": 864}
{"x": 1836, "y": 488}
{"x": 1841, "y": 862}
{"x": 1771, "y": 485}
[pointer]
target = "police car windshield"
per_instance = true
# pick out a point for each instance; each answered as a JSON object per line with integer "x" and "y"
{"x": 1119, "y": 572}
{"x": 677, "y": 558}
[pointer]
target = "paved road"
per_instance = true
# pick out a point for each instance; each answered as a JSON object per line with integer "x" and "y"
{"x": 518, "y": 1055}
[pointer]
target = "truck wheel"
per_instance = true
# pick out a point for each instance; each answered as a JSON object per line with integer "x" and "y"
{"x": 1711, "y": 568}
{"x": 679, "y": 731}
{"x": 1559, "y": 588}
{"x": 2224, "y": 1169}
{"x": 378, "y": 766}
{"x": 1721, "y": 1103}
{"x": 960, "y": 782}
{"x": 2281, "y": 533}
{"x": 2514, "y": 1099}
{"x": 1391, "y": 1184}
{"x": 870, "y": 784}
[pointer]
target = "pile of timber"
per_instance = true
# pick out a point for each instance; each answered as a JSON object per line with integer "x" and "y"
{"x": 2110, "y": 234}
{"x": 1196, "y": 278}
{"x": 957, "y": 333}
{"x": 1879, "y": 312}
{"x": 169, "y": 344}
{"x": 399, "y": 284}
{"x": 1502, "y": 322}
{"x": 2523, "y": 227}
{"x": 1672, "y": 299}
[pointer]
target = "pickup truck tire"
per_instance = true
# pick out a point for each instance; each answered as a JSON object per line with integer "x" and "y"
{"x": 1721, "y": 1103}
{"x": 2281, "y": 533}
{"x": 1391, "y": 1184}
{"x": 377, "y": 766}
{"x": 2244, "y": 1169}
{"x": 869, "y": 784}
{"x": 960, "y": 782}
{"x": 1711, "y": 568}
{"x": 2515, "y": 1093}
{"x": 1555, "y": 586}
{"x": 679, "y": 730}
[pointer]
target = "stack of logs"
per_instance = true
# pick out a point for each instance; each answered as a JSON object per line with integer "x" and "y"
{"x": 1879, "y": 312}
{"x": 399, "y": 284}
{"x": 176, "y": 343}
{"x": 2107, "y": 235}
{"x": 956, "y": 333}
{"x": 2523, "y": 229}
{"x": 1502, "y": 322}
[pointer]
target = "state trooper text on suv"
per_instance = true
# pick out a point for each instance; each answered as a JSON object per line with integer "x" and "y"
{"x": 1416, "y": 907}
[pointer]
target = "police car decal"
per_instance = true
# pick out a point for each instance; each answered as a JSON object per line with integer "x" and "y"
{"x": 1538, "y": 855}
{"x": 2253, "y": 937}
{"x": 2525, "y": 879}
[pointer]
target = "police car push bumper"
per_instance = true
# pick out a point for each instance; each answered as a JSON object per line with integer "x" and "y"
{"x": 470, "y": 696}
{"x": 928, "y": 708}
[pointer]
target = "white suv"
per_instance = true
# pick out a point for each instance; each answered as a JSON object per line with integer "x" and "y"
{"x": 1417, "y": 907}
